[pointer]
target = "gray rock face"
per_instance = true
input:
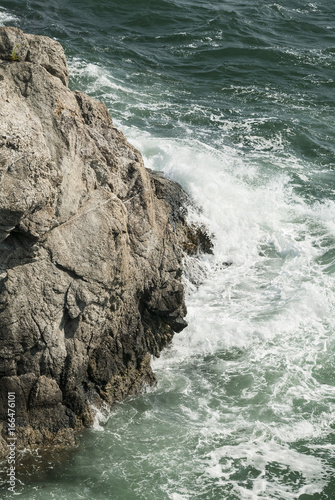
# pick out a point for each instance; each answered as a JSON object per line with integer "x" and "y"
{"x": 90, "y": 250}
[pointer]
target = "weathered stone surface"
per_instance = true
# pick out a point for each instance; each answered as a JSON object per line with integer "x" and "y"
{"x": 90, "y": 250}
{"x": 39, "y": 50}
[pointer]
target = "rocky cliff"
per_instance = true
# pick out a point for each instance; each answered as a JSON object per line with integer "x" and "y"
{"x": 91, "y": 248}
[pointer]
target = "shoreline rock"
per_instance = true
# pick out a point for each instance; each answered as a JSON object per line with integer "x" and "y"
{"x": 91, "y": 251}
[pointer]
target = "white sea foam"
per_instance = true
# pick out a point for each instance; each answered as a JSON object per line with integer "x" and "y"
{"x": 6, "y": 17}
{"x": 101, "y": 416}
{"x": 177, "y": 496}
{"x": 98, "y": 79}
{"x": 225, "y": 461}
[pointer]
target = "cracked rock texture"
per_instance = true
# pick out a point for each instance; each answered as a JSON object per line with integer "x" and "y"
{"x": 91, "y": 248}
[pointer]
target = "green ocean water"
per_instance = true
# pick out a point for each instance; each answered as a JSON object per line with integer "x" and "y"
{"x": 234, "y": 100}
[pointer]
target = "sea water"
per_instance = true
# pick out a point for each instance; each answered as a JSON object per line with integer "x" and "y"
{"x": 235, "y": 100}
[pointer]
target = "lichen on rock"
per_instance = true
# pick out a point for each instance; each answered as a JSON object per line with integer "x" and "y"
{"x": 90, "y": 251}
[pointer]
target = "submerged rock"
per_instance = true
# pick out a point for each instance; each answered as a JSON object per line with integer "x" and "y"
{"x": 91, "y": 249}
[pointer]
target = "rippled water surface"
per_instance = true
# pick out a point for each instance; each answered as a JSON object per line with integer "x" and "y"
{"x": 234, "y": 100}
